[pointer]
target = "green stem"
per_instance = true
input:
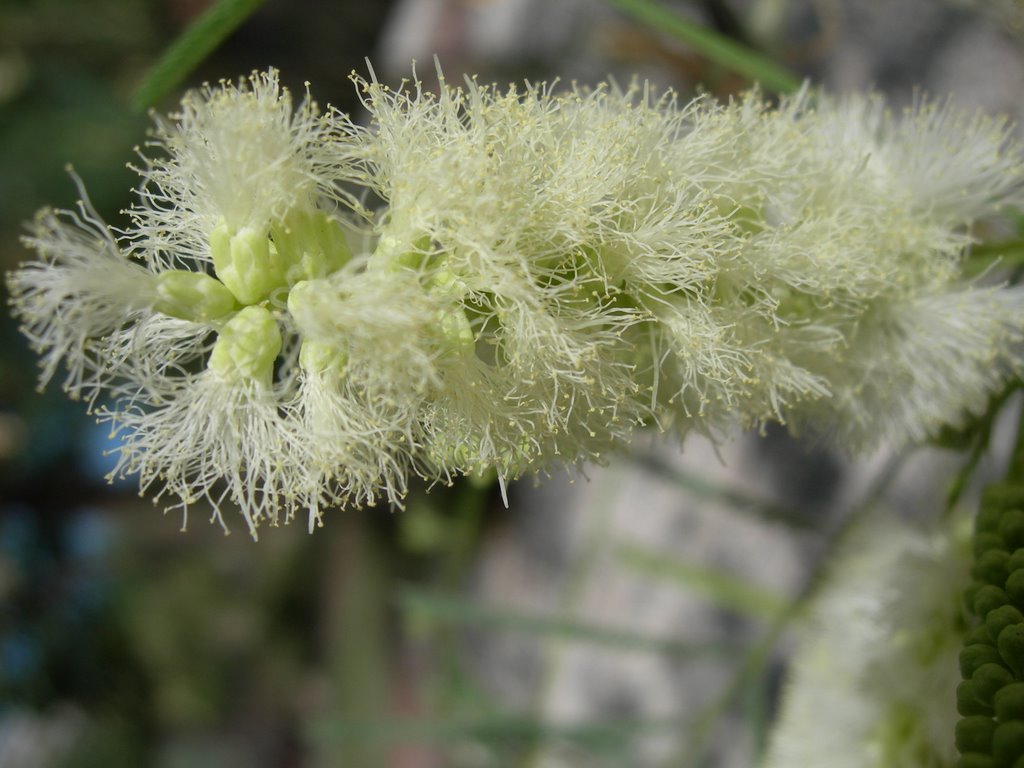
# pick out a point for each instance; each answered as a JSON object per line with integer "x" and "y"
{"x": 197, "y": 42}
{"x": 470, "y": 501}
{"x": 470, "y": 505}
{"x": 723, "y": 51}
{"x": 695, "y": 486}
{"x": 980, "y": 438}
{"x": 459, "y": 611}
{"x": 354, "y": 624}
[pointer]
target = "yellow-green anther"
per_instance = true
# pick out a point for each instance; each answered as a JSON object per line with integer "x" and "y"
{"x": 455, "y": 330}
{"x": 247, "y": 346}
{"x": 246, "y": 263}
{"x": 193, "y": 296}
{"x": 318, "y": 357}
{"x": 310, "y": 245}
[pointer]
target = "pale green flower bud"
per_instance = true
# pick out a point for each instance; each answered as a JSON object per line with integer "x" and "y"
{"x": 247, "y": 346}
{"x": 318, "y": 357}
{"x": 246, "y": 263}
{"x": 449, "y": 283}
{"x": 311, "y": 245}
{"x": 394, "y": 252}
{"x": 306, "y": 300}
{"x": 193, "y": 296}
{"x": 456, "y": 332}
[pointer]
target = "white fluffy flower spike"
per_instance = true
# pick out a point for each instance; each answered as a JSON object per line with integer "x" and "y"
{"x": 876, "y": 670}
{"x": 546, "y": 271}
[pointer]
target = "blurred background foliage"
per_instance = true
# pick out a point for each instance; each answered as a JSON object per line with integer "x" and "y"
{"x": 408, "y": 639}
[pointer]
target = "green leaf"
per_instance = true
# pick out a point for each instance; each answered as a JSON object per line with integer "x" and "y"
{"x": 458, "y": 610}
{"x": 197, "y": 42}
{"x": 724, "y": 590}
{"x": 717, "y": 48}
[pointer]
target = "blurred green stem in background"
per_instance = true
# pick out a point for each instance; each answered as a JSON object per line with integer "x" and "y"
{"x": 355, "y": 642}
{"x": 187, "y": 52}
{"x": 692, "y": 485}
{"x": 720, "y": 588}
{"x": 721, "y": 50}
{"x": 469, "y": 505}
{"x": 223, "y": 17}
{"x": 455, "y": 609}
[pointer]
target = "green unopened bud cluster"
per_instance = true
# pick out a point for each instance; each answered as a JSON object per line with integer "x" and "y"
{"x": 540, "y": 274}
{"x": 256, "y": 268}
{"x": 991, "y": 696}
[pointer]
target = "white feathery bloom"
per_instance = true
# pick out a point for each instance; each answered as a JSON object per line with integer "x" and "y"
{"x": 874, "y": 675}
{"x": 546, "y": 271}
{"x": 958, "y": 166}
{"x": 385, "y": 324}
{"x": 925, "y": 362}
{"x": 235, "y": 160}
{"x": 180, "y": 318}
{"x": 218, "y": 434}
{"x": 358, "y": 442}
{"x": 83, "y": 288}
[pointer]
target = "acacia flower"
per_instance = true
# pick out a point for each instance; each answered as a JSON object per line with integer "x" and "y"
{"x": 542, "y": 273}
